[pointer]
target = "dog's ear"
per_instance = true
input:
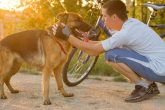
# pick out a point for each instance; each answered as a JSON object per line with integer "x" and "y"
{"x": 62, "y": 17}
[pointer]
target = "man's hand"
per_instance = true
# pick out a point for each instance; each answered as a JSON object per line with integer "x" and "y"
{"x": 62, "y": 31}
{"x": 93, "y": 34}
{"x": 66, "y": 31}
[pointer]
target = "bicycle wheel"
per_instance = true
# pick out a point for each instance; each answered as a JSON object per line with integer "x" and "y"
{"x": 78, "y": 67}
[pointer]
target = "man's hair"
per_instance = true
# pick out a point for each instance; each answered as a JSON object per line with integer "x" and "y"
{"x": 116, "y": 7}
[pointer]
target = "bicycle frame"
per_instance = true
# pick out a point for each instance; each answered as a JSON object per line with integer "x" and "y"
{"x": 100, "y": 24}
{"x": 152, "y": 16}
{"x": 154, "y": 8}
{"x": 153, "y": 13}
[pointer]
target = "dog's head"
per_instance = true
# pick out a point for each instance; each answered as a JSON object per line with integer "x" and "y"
{"x": 75, "y": 22}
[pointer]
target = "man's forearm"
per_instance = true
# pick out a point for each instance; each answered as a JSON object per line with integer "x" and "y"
{"x": 93, "y": 42}
{"x": 90, "y": 48}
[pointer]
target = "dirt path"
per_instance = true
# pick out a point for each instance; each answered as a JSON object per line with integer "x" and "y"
{"x": 90, "y": 95}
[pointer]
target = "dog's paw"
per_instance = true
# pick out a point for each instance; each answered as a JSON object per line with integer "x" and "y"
{"x": 3, "y": 96}
{"x": 47, "y": 102}
{"x": 14, "y": 91}
{"x": 68, "y": 94}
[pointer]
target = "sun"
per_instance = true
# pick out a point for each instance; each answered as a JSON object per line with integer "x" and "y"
{"x": 9, "y": 4}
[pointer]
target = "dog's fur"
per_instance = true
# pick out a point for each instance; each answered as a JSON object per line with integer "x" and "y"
{"x": 38, "y": 48}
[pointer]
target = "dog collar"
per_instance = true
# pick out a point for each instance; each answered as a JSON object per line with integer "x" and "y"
{"x": 62, "y": 48}
{"x": 51, "y": 32}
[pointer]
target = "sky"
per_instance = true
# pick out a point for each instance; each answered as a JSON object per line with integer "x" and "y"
{"x": 9, "y": 4}
{"x": 12, "y": 4}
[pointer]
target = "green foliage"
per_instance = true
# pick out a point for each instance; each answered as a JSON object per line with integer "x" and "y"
{"x": 29, "y": 69}
{"x": 119, "y": 79}
{"x": 101, "y": 68}
{"x": 41, "y": 13}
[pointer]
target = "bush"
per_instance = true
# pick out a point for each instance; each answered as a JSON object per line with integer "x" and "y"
{"x": 101, "y": 68}
{"x": 29, "y": 69}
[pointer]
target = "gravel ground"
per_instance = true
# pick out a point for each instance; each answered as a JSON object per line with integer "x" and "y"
{"x": 92, "y": 94}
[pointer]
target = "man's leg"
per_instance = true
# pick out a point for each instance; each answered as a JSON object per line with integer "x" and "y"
{"x": 125, "y": 70}
{"x": 121, "y": 60}
{"x": 142, "y": 87}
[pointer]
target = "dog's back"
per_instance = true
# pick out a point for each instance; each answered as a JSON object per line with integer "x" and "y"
{"x": 24, "y": 43}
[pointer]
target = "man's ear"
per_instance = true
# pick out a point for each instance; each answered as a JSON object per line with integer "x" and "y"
{"x": 114, "y": 16}
{"x": 62, "y": 17}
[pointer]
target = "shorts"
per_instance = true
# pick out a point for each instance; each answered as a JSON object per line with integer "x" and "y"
{"x": 134, "y": 61}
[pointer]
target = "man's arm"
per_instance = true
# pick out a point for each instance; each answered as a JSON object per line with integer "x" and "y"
{"x": 92, "y": 49}
{"x": 93, "y": 42}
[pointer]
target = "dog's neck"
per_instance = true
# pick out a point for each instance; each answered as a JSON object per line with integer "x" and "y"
{"x": 66, "y": 45}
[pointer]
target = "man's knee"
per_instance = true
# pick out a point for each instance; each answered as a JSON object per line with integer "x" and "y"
{"x": 114, "y": 64}
{"x": 112, "y": 55}
{"x": 110, "y": 63}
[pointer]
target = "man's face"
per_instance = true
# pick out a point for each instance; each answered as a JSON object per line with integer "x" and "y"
{"x": 110, "y": 21}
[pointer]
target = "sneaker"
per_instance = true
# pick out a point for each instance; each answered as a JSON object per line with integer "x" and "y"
{"x": 141, "y": 93}
{"x": 155, "y": 89}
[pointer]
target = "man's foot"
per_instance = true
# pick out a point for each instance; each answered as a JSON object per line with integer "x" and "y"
{"x": 141, "y": 93}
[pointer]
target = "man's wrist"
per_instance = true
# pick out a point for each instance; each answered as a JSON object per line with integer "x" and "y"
{"x": 71, "y": 37}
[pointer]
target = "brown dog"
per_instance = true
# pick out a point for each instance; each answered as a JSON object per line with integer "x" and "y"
{"x": 38, "y": 48}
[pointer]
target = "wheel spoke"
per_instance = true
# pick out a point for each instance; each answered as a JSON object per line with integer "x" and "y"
{"x": 75, "y": 73}
{"x": 79, "y": 66}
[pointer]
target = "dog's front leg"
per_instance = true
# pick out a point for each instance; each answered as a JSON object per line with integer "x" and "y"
{"x": 58, "y": 77}
{"x": 45, "y": 85}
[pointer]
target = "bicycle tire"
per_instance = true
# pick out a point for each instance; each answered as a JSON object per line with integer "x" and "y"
{"x": 67, "y": 78}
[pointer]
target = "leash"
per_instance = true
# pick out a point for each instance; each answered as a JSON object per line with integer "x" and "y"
{"x": 62, "y": 48}
{"x": 84, "y": 36}
{"x": 51, "y": 34}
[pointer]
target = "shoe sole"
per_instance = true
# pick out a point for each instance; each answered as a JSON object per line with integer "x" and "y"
{"x": 143, "y": 98}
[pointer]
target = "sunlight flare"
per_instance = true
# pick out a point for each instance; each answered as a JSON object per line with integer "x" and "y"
{"x": 9, "y": 4}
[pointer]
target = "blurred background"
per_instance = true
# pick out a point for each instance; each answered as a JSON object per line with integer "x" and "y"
{"x": 19, "y": 15}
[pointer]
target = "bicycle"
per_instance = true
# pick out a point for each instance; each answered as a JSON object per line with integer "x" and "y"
{"x": 154, "y": 8}
{"x": 80, "y": 64}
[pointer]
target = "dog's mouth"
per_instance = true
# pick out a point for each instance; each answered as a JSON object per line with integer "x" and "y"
{"x": 78, "y": 33}
{"x": 75, "y": 22}
{"x": 78, "y": 29}
{"x": 81, "y": 28}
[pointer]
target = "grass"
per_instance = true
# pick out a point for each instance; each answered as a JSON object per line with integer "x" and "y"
{"x": 119, "y": 78}
{"x": 101, "y": 68}
{"x": 29, "y": 70}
